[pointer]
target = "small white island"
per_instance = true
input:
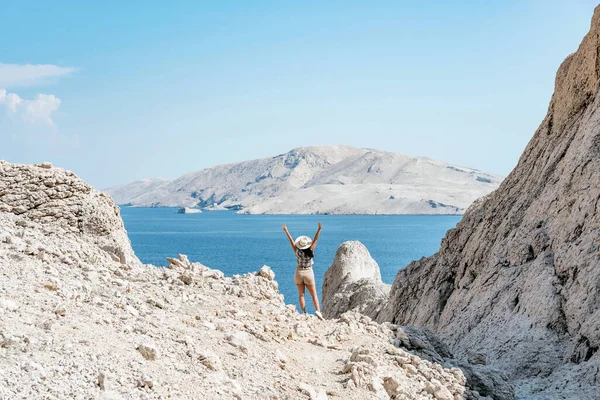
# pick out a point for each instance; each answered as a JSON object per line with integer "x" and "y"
{"x": 188, "y": 210}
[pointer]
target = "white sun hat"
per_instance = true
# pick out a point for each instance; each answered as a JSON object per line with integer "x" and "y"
{"x": 303, "y": 242}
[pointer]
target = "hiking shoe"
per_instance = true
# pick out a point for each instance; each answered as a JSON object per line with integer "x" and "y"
{"x": 319, "y": 315}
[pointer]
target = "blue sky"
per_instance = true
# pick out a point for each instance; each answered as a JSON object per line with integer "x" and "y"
{"x": 118, "y": 91}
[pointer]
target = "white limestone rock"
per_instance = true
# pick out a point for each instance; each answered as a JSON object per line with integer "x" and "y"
{"x": 145, "y": 382}
{"x": 266, "y": 272}
{"x": 238, "y": 339}
{"x": 352, "y": 282}
{"x": 79, "y": 217}
{"x": 148, "y": 351}
{"x": 8, "y": 304}
{"x": 209, "y": 359}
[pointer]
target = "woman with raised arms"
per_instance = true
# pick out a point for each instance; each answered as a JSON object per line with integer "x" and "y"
{"x": 304, "y": 278}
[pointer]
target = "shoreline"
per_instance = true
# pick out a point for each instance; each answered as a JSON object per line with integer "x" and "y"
{"x": 295, "y": 214}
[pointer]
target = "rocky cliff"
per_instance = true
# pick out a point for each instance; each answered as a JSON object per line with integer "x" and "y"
{"x": 52, "y": 214}
{"x": 320, "y": 179}
{"x": 518, "y": 280}
{"x": 81, "y": 317}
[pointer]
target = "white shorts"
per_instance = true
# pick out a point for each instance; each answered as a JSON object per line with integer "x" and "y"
{"x": 305, "y": 276}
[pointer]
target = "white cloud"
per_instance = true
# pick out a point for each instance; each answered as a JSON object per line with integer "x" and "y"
{"x": 13, "y": 75}
{"x": 36, "y": 111}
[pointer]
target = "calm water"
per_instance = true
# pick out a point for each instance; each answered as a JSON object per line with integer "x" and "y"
{"x": 237, "y": 244}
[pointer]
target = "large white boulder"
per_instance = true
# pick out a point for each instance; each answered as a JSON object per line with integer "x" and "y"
{"x": 352, "y": 282}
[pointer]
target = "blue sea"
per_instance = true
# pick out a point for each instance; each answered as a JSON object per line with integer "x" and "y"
{"x": 237, "y": 244}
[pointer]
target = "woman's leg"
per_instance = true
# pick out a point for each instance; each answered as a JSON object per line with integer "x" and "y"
{"x": 312, "y": 289}
{"x": 301, "y": 296}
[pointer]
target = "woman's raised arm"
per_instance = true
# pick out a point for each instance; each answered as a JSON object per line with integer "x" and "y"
{"x": 285, "y": 229}
{"x": 314, "y": 243}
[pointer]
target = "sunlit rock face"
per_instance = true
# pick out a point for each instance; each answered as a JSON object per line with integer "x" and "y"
{"x": 518, "y": 279}
{"x": 57, "y": 208}
{"x": 516, "y": 283}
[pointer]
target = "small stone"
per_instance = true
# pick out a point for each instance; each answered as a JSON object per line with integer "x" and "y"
{"x": 187, "y": 279}
{"x": 214, "y": 274}
{"x": 266, "y": 272}
{"x": 375, "y": 385}
{"x": 132, "y": 310}
{"x": 410, "y": 369}
{"x": 238, "y": 339}
{"x": 390, "y": 385}
{"x": 51, "y": 286}
{"x": 66, "y": 260}
{"x": 145, "y": 382}
{"x": 281, "y": 318}
{"x": 234, "y": 386}
{"x": 439, "y": 391}
{"x": 148, "y": 351}
{"x": 101, "y": 380}
{"x": 156, "y": 304}
{"x": 318, "y": 342}
{"x": 19, "y": 210}
{"x": 308, "y": 391}
{"x": 390, "y": 326}
{"x": 6, "y": 342}
{"x": 9, "y": 304}
{"x": 60, "y": 310}
{"x": 302, "y": 329}
{"x": 36, "y": 370}
{"x": 442, "y": 393}
{"x": 46, "y": 165}
{"x": 282, "y": 358}
{"x": 210, "y": 360}
{"x": 291, "y": 308}
{"x": 209, "y": 325}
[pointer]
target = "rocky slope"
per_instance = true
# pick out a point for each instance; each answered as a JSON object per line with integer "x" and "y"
{"x": 321, "y": 179}
{"x": 518, "y": 280}
{"x": 80, "y": 317}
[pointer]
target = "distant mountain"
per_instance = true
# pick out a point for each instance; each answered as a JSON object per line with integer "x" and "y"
{"x": 319, "y": 179}
{"x": 134, "y": 189}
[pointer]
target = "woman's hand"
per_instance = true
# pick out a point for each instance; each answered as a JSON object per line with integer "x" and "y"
{"x": 284, "y": 227}
{"x": 320, "y": 226}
